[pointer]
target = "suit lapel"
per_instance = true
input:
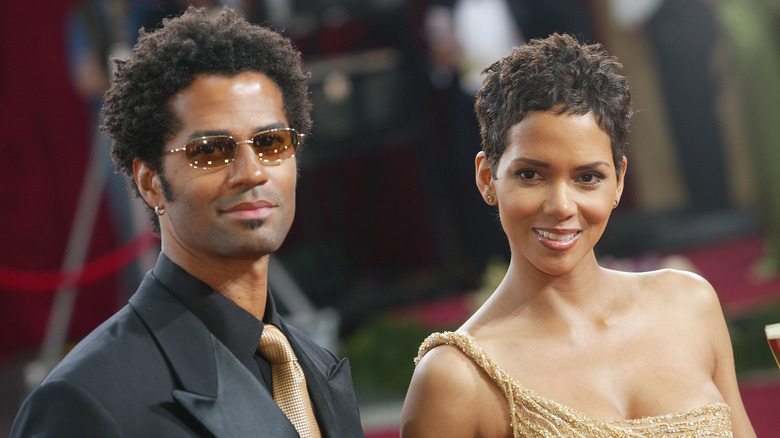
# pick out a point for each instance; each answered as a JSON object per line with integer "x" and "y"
{"x": 241, "y": 408}
{"x": 331, "y": 393}
{"x": 215, "y": 387}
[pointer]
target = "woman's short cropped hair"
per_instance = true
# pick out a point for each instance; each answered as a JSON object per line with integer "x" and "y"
{"x": 556, "y": 73}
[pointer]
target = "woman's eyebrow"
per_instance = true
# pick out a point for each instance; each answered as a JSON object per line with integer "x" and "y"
{"x": 532, "y": 162}
{"x": 592, "y": 165}
{"x": 543, "y": 164}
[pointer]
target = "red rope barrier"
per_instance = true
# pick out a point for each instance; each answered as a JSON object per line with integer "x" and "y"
{"x": 98, "y": 269}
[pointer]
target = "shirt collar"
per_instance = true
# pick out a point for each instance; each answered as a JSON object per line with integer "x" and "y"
{"x": 236, "y": 328}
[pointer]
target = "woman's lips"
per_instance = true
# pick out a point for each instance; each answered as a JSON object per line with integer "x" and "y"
{"x": 557, "y": 239}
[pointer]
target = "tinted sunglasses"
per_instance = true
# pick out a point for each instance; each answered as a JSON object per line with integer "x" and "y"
{"x": 213, "y": 151}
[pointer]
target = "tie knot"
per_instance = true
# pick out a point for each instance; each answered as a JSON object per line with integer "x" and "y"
{"x": 274, "y": 345}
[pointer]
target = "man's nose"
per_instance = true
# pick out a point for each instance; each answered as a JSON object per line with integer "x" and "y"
{"x": 247, "y": 169}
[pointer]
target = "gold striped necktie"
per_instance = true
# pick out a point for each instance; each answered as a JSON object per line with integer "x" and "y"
{"x": 289, "y": 382}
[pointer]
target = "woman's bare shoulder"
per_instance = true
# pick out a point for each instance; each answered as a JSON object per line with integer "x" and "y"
{"x": 446, "y": 396}
{"x": 444, "y": 358}
{"x": 678, "y": 287}
{"x": 443, "y": 373}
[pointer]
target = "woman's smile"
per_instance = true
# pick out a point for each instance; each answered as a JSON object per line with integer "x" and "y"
{"x": 557, "y": 239}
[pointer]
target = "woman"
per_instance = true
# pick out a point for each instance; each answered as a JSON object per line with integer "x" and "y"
{"x": 564, "y": 347}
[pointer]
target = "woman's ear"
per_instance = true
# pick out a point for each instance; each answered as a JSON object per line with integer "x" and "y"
{"x": 484, "y": 178}
{"x": 148, "y": 182}
{"x": 621, "y": 179}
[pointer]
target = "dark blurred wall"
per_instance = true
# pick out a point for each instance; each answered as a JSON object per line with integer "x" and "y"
{"x": 45, "y": 149}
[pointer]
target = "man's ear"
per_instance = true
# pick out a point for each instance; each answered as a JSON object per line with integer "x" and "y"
{"x": 148, "y": 182}
{"x": 484, "y": 178}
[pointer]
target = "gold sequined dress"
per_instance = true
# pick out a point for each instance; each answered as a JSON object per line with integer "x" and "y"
{"x": 536, "y": 416}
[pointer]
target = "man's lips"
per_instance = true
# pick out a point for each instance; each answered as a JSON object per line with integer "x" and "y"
{"x": 250, "y": 210}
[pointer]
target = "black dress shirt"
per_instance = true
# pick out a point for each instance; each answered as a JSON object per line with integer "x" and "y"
{"x": 236, "y": 328}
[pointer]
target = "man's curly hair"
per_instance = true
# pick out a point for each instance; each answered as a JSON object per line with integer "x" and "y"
{"x": 556, "y": 73}
{"x": 137, "y": 112}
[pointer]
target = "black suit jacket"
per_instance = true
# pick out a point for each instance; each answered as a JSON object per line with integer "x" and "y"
{"x": 154, "y": 370}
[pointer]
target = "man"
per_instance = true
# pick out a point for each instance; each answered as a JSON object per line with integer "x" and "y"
{"x": 206, "y": 117}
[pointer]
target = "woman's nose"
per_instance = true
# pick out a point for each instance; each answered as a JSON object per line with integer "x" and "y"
{"x": 560, "y": 202}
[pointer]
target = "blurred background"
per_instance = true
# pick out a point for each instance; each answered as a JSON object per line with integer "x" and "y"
{"x": 391, "y": 239}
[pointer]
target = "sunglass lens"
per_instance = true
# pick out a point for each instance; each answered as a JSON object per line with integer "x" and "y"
{"x": 275, "y": 146}
{"x": 211, "y": 151}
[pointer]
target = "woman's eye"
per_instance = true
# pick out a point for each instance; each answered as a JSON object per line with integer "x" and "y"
{"x": 526, "y": 174}
{"x": 591, "y": 178}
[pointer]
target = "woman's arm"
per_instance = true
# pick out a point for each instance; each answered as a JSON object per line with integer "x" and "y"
{"x": 724, "y": 375}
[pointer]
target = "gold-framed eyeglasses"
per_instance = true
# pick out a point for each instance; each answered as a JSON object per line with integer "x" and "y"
{"x": 272, "y": 146}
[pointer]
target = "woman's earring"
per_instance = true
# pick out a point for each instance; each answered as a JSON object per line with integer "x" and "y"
{"x": 490, "y": 199}
{"x": 615, "y": 204}
{"x": 159, "y": 211}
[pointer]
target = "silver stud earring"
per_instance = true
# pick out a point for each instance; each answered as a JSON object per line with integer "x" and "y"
{"x": 159, "y": 211}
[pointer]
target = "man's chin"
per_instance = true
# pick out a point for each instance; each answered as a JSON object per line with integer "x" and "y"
{"x": 255, "y": 252}
{"x": 254, "y": 224}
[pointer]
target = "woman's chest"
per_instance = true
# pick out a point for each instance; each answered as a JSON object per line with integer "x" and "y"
{"x": 612, "y": 380}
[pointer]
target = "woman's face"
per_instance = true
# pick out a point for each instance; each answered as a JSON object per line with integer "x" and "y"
{"x": 555, "y": 185}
